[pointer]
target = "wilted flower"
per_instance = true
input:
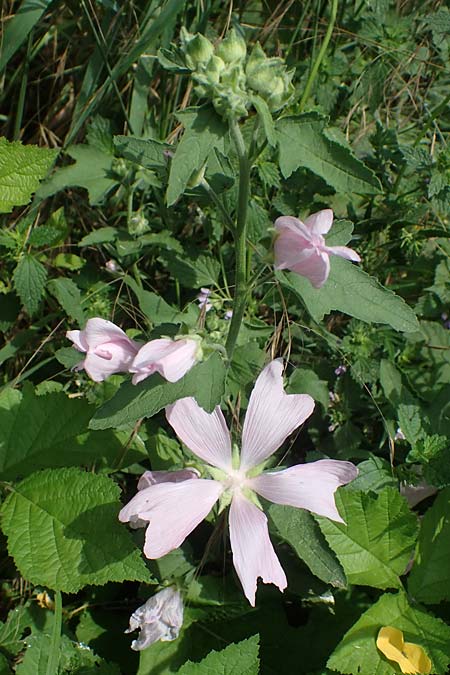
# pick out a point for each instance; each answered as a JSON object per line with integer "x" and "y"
{"x": 300, "y": 246}
{"x": 170, "y": 358}
{"x": 160, "y": 618}
{"x": 340, "y": 370}
{"x": 410, "y": 657}
{"x": 399, "y": 435}
{"x": 108, "y": 349}
{"x": 174, "y": 509}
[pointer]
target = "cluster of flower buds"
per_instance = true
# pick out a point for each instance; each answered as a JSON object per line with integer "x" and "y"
{"x": 225, "y": 75}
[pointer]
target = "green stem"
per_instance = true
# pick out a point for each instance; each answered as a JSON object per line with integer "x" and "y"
{"x": 320, "y": 55}
{"x": 240, "y": 236}
{"x": 53, "y": 661}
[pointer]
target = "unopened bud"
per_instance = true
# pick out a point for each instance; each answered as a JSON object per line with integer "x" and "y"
{"x": 198, "y": 49}
{"x": 138, "y": 224}
{"x": 233, "y": 48}
{"x": 269, "y": 78}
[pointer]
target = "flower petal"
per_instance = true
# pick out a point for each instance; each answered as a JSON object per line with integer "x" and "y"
{"x": 289, "y": 249}
{"x": 173, "y": 511}
{"x": 306, "y": 486}
{"x": 320, "y": 222}
{"x": 271, "y": 416}
{"x": 315, "y": 266}
{"x": 149, "y": 478}
{"x": 253, "y": 553}
{"x": 107, "y": 359}
{"x": 77, "y": 337}
{"x": 205, "y": 434}
{"x": 98, "y": 331}
{"x": 344, "y": 252}
{"x": 293, "y": 224}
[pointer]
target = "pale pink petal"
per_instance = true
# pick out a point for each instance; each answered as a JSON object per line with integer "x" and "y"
{"x": 253, "y": 553}
{"x": 176, "y": 364}
{"x": 344, "y": 252}
{"x": 289, "y": 247}
{"x": 173, "y": 510}
{"x": 315, "y": 267}
{"x": 306, "y": 486}
{"x": 147, "y": 359}
{"x": 294, "y": 225}
{"x": 271, "y": 416}
{"x": 149, "y": 478}
{"x": 98, "y": 331}
{"x": 77, "y": 337}
{"x": 107, "y": 359}
{"x": 320, "y": 222}
{"x": 205, "y": 434}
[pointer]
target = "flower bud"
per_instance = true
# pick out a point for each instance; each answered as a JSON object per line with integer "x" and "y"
{"x": 138, "y": 224}
{"x": 233, "y": 48}
{"x": 198, "y": 49}
{"x": 160, "y": 618}
{"x": 269, "y": 78}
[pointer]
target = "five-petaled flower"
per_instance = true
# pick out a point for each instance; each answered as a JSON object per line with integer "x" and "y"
{"x": 301, "y": 248}
{"x": 160, "y": 618}
{"x": 108, "y": 349}
{"x": 173, "y": 509}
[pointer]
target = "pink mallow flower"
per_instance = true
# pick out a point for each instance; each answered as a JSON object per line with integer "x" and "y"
{"x": 170, "y": 358}
{"x": 300, "y": 246}
{"x": 160, "y": 618}
{"x": 173, "y": 509}
{"x": 108, "y": 349}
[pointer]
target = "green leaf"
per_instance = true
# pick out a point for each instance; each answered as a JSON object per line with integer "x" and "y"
{"x": 92, "y": 170}
{"x": 22, "y": 167}
{"x": 68, "y": 295}
{"x": 17, "y": 28}
{"x": 11, "y": 631}
{"x": 63, "y": 531}
{"x": 241, "y": 657}
{"x": 429, "y": 580}
{"x": 357, "y": 652}
{"x": 352, "y": 291}
{"x": 298, "y": 528}
{"x": 192, "y": 271}
{"x": 29, "y": 281}
{"x": 375, "y": 546}
{"x": 305, "y": 381}
{"x": 204, "y": 130}
{"x": 375, "y": 474}
{"x": 143, "y": 151}
{"x": 303, "y": 143}
{"x": 69, "y": 261}
{"x": 101, "y": 236}
{"x": 48, "y": 431}
{"x": 153, "y": 306}
{"x": 266, "y": 119}
{"x": 205, "y": 382}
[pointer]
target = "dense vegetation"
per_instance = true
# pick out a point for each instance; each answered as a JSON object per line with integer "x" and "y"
{"x": 142, "y": 169}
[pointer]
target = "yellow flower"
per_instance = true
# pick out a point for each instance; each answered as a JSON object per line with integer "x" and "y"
{"x": 410, "y": 657}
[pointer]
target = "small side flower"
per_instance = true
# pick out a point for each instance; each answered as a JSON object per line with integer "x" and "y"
{"x": 171, "y": 358}
{"x": 160, "y": 618}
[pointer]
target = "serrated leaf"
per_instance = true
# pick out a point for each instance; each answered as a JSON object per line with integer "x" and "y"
{"x": 357, "y": 652}
{"x": 68, "y": 295}
{"x": 429, "y": 580}
{"x": 192, "y": 272}
{"x": 22, "y": 167}
{"x": 204, "y": 130}
{"x": 143, "y": 151}
{"x": 12, "y": 629}
{"x": 376, "y": 544}
{"x": 63, "y": 531}
{"x": 205, "y": 382}
{"x": 241, "y": 657}
{"x": 303, "y": 143}
{"x": 92, "y": 170}
{"x": 374, "y": 474}
{"x": 29, "y": 281}
{"x": 298, "y": 528}
{"x": 352, "y": 291}
{"x": 48, "y": 431}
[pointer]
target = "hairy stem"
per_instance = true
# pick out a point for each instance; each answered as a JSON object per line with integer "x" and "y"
{"x": 240, "y": 236}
